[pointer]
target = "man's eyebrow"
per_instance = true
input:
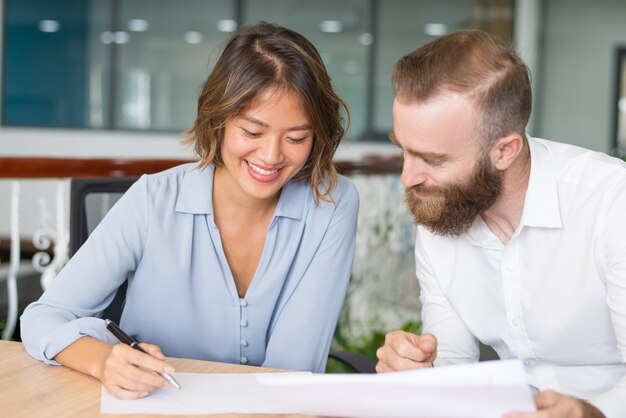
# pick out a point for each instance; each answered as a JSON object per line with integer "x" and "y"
{"x": 305, "y": 127}
{"x": 423, "y": 155}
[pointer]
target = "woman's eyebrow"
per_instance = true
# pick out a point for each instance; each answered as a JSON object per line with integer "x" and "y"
{"x": 305, "y": 127}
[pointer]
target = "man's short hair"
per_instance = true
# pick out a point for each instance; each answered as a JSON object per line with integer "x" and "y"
{"x": 476, "y": 64}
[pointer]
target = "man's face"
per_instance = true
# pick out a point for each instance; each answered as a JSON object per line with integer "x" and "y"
{"x": 449, "y": 179}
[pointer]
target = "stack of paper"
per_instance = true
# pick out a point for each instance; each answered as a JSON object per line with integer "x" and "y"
{"x": 481, "y": 390}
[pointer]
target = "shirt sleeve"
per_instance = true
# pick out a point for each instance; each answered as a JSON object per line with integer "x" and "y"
{"x": 88, "y": 282}
{"x": 304, "y": 329}
{"x": 456, "y": 344}
{"x": 612, "y": 403}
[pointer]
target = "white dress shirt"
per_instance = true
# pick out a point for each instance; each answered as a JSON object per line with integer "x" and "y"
{"x": 555, "y": 295}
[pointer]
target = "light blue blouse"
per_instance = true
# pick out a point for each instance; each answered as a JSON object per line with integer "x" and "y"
{"x": 181, "y": 292}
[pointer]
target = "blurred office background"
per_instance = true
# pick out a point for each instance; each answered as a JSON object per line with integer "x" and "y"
{"x": 136, "y": 65}
{"x": 120, "y": 78}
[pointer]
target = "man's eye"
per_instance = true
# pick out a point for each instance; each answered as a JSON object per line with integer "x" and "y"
{"x": 435, "y": 163}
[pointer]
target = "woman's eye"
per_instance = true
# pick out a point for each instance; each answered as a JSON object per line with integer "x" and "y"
{"x": 297, "y": 140}
{"x": 251, "y": 134}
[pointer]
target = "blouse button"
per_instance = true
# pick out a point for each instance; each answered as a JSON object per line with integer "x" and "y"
{"x": 243, "y": 303}
{"x": 243, "y": 360}
{"x": 244, "y": 343}
{"x": 243, "y": 323}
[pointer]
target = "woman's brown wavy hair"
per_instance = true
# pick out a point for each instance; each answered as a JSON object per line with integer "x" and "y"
{"x": 261, "y": 57}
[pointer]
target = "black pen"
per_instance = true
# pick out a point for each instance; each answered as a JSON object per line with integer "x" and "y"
{"x": 127, "y": 339}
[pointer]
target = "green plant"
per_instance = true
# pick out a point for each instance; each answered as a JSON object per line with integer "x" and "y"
{"x": 364, "y": 344}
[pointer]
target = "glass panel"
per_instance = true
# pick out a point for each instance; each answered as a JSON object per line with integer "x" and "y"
{"x": 338, "y": 30}
{"x": 164, "y": 51}
{"x": 99, "y": 83}
{"x": 47, "y": 61}
{"x": 409, "y": 24}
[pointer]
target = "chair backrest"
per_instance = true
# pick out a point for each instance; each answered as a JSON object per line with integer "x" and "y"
{"x": 90, "y": 200}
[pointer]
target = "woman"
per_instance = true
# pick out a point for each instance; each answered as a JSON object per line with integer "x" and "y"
{"x": 242, "y": 258}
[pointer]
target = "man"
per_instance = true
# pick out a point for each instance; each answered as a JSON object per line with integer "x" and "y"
{"x": 521, "y": 242}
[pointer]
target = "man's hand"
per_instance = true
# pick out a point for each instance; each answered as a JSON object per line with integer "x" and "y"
{"x": 403, "y": 351}
{"x": 551, "y": 404}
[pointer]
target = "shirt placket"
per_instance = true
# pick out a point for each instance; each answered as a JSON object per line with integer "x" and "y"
{"x": 510, "y": 269}
{"x": 243, "y": 328}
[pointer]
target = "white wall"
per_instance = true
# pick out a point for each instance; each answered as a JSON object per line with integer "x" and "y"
{"x": 577, "y": 71}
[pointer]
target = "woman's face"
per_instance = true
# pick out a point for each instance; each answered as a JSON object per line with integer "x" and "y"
{"x": 266, "y": 146}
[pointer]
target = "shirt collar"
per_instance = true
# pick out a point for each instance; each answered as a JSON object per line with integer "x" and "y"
{"x": 196, "y": 195}
{"x": 196, "y": 191}
{"x": 541, "y": 204}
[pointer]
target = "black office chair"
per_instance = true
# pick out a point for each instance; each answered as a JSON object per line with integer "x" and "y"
{"x": 90, "y": 200}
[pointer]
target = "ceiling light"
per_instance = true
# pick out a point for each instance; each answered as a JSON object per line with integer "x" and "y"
{"x": 138, "y": 25}
{"x": 193, "y": 37}
{"x": 226, "y": 25}
{"x": 366, "y": 39}
{"x": 435, "y": 29}
{"x": 49, "y": 26}
{"x": 121, "y": 37}
{"x": 331, "y": 26}
{"x": 107, "y": 37}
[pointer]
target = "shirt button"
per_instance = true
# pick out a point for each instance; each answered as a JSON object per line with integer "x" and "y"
{"x": 510, "y": 268}
{"x": 243, "y": 343}
{"x": 243, "y": 360}
{"x": 243, "y": 303}
{"x": 530, "y": 363}
{"x": 243, "y": 323}
{"x": 515, "y": 322}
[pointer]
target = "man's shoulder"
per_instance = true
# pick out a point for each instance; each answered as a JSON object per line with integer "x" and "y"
{"x": 574, "y": 164}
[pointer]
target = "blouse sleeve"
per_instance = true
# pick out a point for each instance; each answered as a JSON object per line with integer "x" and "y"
{"x": 87, "y": 284}
{"x": 303, "y": 333}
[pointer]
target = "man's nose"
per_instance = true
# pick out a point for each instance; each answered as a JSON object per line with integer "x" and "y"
{"x": 413, "y": 172}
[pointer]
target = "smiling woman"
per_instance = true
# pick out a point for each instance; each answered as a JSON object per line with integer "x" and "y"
{"x": 266, "y": 146}
{"x": 252, "y": 246}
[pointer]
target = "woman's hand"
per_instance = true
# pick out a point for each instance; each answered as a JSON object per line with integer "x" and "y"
{"x": 127, "y": 373}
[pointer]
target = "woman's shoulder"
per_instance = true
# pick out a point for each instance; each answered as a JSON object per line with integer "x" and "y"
{"x": 345, "y": 187}
{"x": 175, "y": 172}
{"x": 343, "y": 194}
{"x": 188, "y": 186}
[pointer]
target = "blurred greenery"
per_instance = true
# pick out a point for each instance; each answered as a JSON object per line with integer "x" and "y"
{"x": 365, "y": 345}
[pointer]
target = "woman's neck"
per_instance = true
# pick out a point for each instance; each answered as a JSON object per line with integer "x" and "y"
{"x": 229, "y": 198}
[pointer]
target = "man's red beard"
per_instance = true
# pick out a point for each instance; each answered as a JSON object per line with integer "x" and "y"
{"x": 451, "y": 210}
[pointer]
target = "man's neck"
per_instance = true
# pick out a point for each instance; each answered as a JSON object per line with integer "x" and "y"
{"x": 504, "y": 216}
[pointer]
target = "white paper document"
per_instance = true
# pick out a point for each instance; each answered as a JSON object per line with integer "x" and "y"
{"x": 481, "y": 390}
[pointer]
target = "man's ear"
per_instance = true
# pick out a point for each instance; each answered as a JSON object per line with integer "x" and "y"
{"x": 506, "y": 151}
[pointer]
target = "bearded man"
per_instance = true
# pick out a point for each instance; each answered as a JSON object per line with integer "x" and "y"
{"x": 521, "y": 242}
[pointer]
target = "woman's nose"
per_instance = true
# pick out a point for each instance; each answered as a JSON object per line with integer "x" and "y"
{"x": 270, "y": 151}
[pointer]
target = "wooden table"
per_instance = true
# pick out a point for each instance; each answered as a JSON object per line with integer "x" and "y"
{"x": 29, "y": 388}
